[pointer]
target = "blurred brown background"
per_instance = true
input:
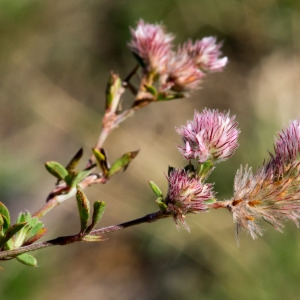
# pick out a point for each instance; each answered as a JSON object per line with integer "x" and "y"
{"x": 55, "y": 57}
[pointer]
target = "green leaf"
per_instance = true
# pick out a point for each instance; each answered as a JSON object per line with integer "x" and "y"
{"x": 101, "y": 160}
{"x": 5, "y": 215}
{"x": 36, "y": 225}
{"x": 27, "y": 259}
{"x": 151, "y": 89}
{"x": 1, "y": 225}
{"x": 156, "y": 190}
{"x": 75, "y": 178}
{"x": 36, "y": 236}
{"x": 24, "y": 217}
{"x": 83, "y": 208}
{"x": 72, "y": 165}
{"x": 161, "y": 204}
{"x": 122, "y": 163}
{"x": 56, "y": 169}
{"x": 99, "y": 207}
{"x": 11, "y": 231}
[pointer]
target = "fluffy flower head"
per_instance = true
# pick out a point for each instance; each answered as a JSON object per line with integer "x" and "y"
{"x": 186, "y": 195}
{"x": 206, "y": 54}
{"x": 287, "y": 149}
{"x": 272, "y": 194}
{"x": 151, "y": 45}
{"x": 182, "y": 74}
{"x": 211, "y": 135}
{"x": 264, "y": 197}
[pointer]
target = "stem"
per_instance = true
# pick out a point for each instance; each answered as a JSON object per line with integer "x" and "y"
{"x": 46, "y": 208}
{"x": 64, "y": 240}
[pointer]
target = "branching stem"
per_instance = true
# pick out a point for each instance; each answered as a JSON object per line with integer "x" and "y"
{"x": 64, "y": 240}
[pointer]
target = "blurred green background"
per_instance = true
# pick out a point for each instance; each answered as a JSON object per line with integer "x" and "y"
{"x": 55, "y": 58}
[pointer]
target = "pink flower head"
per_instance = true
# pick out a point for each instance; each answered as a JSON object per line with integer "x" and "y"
{"x": 287, "y": 149}
{"x": 264, "y": 197}
{"x": 151, "y": 45}
{"x": 287, "y": 144}
{"x": 205, "y": 54}
{"x": 182, "y": 74}
{"x": 186, "y": 195}
{"x": 212, "y": 135}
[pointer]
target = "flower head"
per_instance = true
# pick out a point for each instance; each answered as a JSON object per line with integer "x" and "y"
{"x": 205, "y": 54}
{"x": 272, "y": 194}
{"x": 186, "y": 195}
{"x": 287, "y": 148}
{"x": 182, "y": 74}
{"x": 212, "y": 135}
{"x": 262, "y": 196}
{"x": 151, "y": 45}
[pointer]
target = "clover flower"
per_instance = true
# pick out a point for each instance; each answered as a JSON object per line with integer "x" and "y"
{"x": 186, "y": 195}
{"x": 182, "y": 75}
{"x": 211, "y": 135}
{"x": 151, "y": 45}
{"x": 287, "y": 145}
{"x": 205, "y": 54}
{"x": 261, "y": 196}
{"x": 272, "y": 194}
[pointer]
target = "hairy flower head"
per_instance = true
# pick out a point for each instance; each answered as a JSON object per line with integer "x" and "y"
{"x": 264, "y": 197}
{"x": 211, "y": 135}
{"x": 186, "y": 195}
{"x": 182, "y": 74}
{"x": 151, "y": 45}
{"x": 206, "y": 54}
{"x": 287, "y": 148}
{"x": 272, "y": 194}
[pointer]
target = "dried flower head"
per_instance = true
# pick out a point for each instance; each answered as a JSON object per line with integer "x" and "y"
{"x": 262, "y": 196}
{"x": 152, "y": 46}
{"x": 206, "y": 54}
{"x": 186, "y": 195}
{"x": 211, "y": 135}
{"x": 272, "y": 194}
